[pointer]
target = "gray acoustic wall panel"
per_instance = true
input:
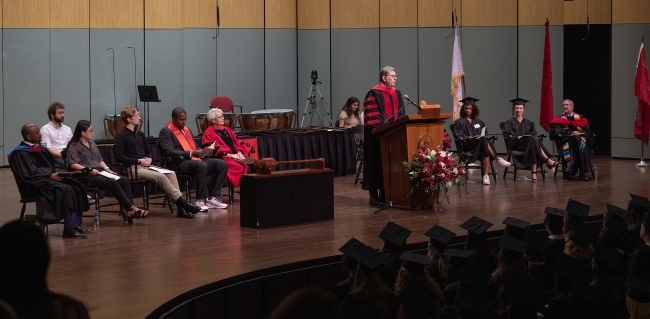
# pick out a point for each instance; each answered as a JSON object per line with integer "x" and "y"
{"x": 164, "y": 69}
{"x": 70, "y": 74}
{"x": 490, "y": 63}
{"x": 281, "y": 67}
{"x": 531, "y": 56}
{"x": 626, "y": 41}
{"x": 435, "y": 52}
{"x": 199, "y": 70}
{"x": 101, "y": 72}
{"x": 26, "y": 74}
{"x": 355, "y": 65}
{"x": 240, "y": 67}
{"x": 398, "y": 48}
{"x": 3, "y": 161}
{"x": 314, "y": 54}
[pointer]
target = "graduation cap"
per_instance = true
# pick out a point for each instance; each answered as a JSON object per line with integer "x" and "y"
{"x": 519, "y": 101}
{"x": 369, "y": 257}
{"x": 537, "y": 241}
{"x": 577, "y": 208}
{"x": 440, "y": 236}
{"x": 469, "y": 101}
{"x": 413, "y": 261}
{"x": 520, "y": 289}
{"x": 641, "y": 203}
{"x": 615, "y": 211}
{"x": 617, "y": 227}
{"x": 581, "y": 235}
{"x": 513, "y": 244}
{"x": 555, "y": 211}
{"x": 351, "y": 247}
{"x": 476, "y": 225}
{"x": 610, "y": 256}
{"x": 472, "y": 276}
{"x": 395, "y": 234}
{"x": 569, "y": 267}
{"x": 515, "y": 227}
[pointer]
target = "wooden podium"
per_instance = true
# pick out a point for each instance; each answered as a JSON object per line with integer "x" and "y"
{"x": 399, "y": 143}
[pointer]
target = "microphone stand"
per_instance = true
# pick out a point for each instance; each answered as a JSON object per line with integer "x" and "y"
{"x": 114, "y": 98}
{"x": 135, "y": 76}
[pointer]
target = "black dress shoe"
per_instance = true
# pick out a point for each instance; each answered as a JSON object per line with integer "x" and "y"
{"x": 192, "y": 208}
{"x": 182, "y": 213}
{"x": 73, "y": 233}
{"x": 84, "y": 230}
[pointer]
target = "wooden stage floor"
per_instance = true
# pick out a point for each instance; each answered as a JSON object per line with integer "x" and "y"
{"x": 123, "y": 271}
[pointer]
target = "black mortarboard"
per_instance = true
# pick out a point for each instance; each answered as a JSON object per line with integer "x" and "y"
{"x": 641, "y": 202}
{"x": 413, "y": 261}
{"x": 513, "y": 244}
{"x": 519, "y": 101}
{"x": 469, "y": 100}
{"x": 555, "y": 211}
{"x": 616, "y": 211}
{"x": 395, "y": 234}
{"x": 369, "y": 257}
{"x": 476, "y": 225}
{"x": 537, "y": 241}
{"x": 472, "y": 302}
{"x": 440, "y": 235}
{"x": 351, "y": 247}
{"x": 581, "y": 235}
{"x": 638, "y": 283}
{"x": 610, "y": 256}
{"x": 569, "y": 267}
{"x": 472, "y": 276}
{"x": 520, "y": 289}
{"x": 509, "y": 221}
{"x": 577, "y": 208}
{"x": 617, "y": 227}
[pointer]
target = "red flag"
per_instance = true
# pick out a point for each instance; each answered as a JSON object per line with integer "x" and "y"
{"x": 546, "y": 104}
{"x": 642, "y": 92}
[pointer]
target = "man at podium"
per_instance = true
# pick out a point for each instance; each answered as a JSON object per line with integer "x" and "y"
{"x": 382, "y": 104}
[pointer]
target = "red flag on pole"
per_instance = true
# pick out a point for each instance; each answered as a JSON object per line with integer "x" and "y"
{"x": 546, "y": 104}
{"x": 642, "y": 92}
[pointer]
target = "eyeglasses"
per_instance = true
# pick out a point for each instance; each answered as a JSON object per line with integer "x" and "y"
{"x": 393, "y": 76}
{"x": 89, "y": 131}
{"x": 221, "y": 117}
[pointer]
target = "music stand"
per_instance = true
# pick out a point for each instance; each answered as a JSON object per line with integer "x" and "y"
{"x": 148, "y": 93}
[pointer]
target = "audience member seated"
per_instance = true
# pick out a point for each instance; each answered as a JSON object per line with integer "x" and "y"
{"x": 527, "y": 148}
{"x": 55, "y": 134}
{"x": 394, "y": 239}
{"x": 438, "y": 265}
{"x": 554, "y": 224}
{"x": 131, "y": 147}
{"x": 511, "y": 258}
{"x": 637, "y": 208}
{"x": 177, "y": 140}
{"x": 577, "y": 213}
{"x": 57, "y": 197}
{"x": 226, "y": 146}
{"x": 24, "y": 260}
{"x": 307, "y": 303}
{"x": 418, "y": 294}
{"x": 572, "y": 134}
{"x": 638, "y": 279}
{"x": 83, "y": 154}
{"x": 350, "y": 115}
{"x": 476, "y": 241}
{"x": 350, "y": 265}
{"x": 468, "y": 129}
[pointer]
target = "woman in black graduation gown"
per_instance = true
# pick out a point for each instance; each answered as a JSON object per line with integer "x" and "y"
{"x": 468, "y": 129}
{"x": 527, "y": 149}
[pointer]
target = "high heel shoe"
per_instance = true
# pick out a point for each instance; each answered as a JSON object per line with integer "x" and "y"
{"x": 551, "y": 163}
{"x": 126, "y": 217}
{"x": 533, "y": 177}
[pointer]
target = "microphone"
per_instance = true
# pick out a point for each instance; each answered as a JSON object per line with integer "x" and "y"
{"x": 416, "y": 105}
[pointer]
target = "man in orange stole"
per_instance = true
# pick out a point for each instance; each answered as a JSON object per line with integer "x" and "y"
{"x": 177, "y": 140}
{"x": 571, "y": 131}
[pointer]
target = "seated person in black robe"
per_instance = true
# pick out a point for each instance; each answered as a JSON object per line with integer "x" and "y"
{"x": 57, "y": 197}
{"x": 467, "y": 130}
{"x": 342, "y": 289}
{"x": 572, "y": 135}
{"x": 527, "y": 148}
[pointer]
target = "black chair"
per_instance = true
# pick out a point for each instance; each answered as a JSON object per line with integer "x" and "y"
{"x": 358, "y": 139}
{"x": 560, "y": 159}
{"x": 174, "y": 164}
{"x": 506, "y": 139}
{"x": 460, "y": 146}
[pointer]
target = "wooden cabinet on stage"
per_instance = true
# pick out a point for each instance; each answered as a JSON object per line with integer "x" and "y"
{"x": 399, "y": 143}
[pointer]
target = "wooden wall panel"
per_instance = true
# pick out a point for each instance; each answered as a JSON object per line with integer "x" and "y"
{"x": 489, "y": 13}
{"x": 69, "y": 14}
{"x": 437, "y": 13}
{"x": 535, "y": 12}
{"x": 630, "y": 11}
{"x": 26, "y": 13}
{"x": 600, "y": 12}
{"x": 280, "y": 14}
{"x": 163, "y": 14}
{"x": 116, "y": 14}
{"x": 398, "y": 13}
{"x": 313, "y": 14}
{"x": 355, "y": 14}
{"x": 242, "y": 13}
{"x": 200, "y": 13}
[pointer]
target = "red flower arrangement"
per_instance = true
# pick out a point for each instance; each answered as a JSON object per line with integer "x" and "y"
{"x": 435, "y": 170}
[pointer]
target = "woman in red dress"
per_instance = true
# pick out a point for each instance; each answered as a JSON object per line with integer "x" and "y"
{"x": 226, "y": 145}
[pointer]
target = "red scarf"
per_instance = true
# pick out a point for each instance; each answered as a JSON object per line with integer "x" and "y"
{"x": 187, "y": 144}
{"x": 390, "y": 98}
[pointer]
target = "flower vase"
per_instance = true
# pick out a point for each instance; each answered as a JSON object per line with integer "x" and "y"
{"x": 421, "y": 199}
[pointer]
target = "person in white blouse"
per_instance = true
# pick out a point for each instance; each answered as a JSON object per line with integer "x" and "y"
{"x": 55, "y": 134}
{"x": 350, "y": 115}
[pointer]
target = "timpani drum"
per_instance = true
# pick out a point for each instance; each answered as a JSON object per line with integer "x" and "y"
{"x": 279, "y": 118}
{"x": 108, "y": 126}
{"x": 202, "y": 122}
{"x": 255, "y": 122}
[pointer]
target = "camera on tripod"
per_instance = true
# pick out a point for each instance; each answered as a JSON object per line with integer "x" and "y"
{"x": 314, "y": 76}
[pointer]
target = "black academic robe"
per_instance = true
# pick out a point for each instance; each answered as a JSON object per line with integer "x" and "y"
{"x": 353, "y": 307}
{"x": 579, "y": 146}
{"x": 554, "y": 251}
{"x": 474, "y": 149}
{"x": 527, "y": 150}
{"x": 379, "y": 103}
{"x": 54, "y": 200}
{"x": 543, "y": 277}
{"x": 433, "y": 268}
{"x": 342, "y": 289}
{"x": 418, "y": 302}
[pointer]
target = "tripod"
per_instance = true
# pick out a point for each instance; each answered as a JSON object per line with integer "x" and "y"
{"x": 312, "y": 103}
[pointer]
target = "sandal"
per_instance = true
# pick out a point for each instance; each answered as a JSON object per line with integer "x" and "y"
{"x": 534, "y": 177}
{"x": 126, "y": 217}
{"x": 551, "y": 163}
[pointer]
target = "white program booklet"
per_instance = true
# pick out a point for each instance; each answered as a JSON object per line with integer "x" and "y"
{"x": 160, "y": 169}
{"x": 109, "y": 175}
{"x": 482, "y": 133}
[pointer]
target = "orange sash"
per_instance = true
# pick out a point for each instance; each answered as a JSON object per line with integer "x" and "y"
{"x": 188, "y": 145}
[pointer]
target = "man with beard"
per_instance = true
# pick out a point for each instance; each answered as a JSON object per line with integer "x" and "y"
{"x": 55, "y": 135}
{"x": 572, "y": 132}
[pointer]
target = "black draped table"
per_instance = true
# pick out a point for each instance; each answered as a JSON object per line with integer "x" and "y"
{"x": 337, "y": 147}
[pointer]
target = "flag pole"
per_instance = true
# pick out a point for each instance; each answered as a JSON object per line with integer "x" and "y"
{"x": 642, "y": 163}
